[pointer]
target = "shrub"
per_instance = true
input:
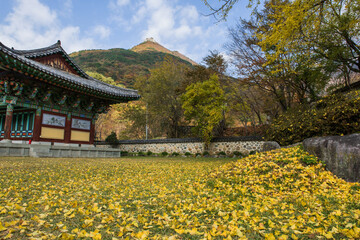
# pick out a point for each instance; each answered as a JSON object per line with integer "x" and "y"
{"x": 149, "y": 153}
{"x": 141, "y": 153}
{"x": 164, "y": 154}
{"x": 112, "y": 140}
{"x": 206, "y": 153}
{"x": 174, "y": 154}
{"x": 238, "y": 154}
{"x": 252, "y": 152}
{"x": 188, "y": 154}
{"x": 336, "y": 114}
{"x": 197, "y": 154}
{"x": 222, "y": 153}
{"x": 124, "y": 153}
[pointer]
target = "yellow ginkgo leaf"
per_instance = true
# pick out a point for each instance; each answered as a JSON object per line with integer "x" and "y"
{"x": 2, "y": 228}
{"x": 142, "y": 234}
{"x": 180, "y": 231}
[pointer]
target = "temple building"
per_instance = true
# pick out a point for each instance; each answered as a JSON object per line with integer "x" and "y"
{"x": 46, "y": 97}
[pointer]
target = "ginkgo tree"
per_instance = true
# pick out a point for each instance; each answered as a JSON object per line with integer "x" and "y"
{"x": 296, "y": 76}
{"x": 328, "y": 28}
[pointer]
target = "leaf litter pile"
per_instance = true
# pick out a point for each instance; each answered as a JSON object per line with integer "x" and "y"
{"x": 272, "y": 195}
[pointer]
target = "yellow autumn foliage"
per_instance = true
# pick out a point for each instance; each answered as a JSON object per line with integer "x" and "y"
{"x": 271, "y": 195}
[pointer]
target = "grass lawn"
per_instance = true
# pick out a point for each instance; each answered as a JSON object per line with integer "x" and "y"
{"x": 272, "y": 195}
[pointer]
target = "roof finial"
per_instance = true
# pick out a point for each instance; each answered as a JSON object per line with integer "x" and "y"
{"x": 59, "y": 42}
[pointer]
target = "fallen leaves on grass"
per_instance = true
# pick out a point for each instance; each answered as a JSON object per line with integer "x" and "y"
{"x": 271, "y": 195}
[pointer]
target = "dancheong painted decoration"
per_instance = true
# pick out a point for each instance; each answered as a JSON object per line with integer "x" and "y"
{"x": 45, "y": 96}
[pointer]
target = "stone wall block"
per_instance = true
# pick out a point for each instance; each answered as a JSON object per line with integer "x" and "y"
{"x": 341, "y": 154}
{"x": 268, "y": 146}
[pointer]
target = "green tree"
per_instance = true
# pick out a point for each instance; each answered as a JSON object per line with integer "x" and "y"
{"x": 216, "y": 62}
{"x": 112, "y": 140}
{"x": 110, "y": 121}
{"x": 126, "y": 120}
{"x": 161, "y": 94}
{"x": 203, "y": 103}
{"x": 198, "y": 73}
{"x": 132, "y": 116}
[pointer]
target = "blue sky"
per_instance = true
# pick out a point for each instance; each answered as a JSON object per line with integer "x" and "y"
{"x": 102, "y": 24}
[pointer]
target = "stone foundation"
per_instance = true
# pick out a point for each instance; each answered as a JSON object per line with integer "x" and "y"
{"x": 61, "y": 151}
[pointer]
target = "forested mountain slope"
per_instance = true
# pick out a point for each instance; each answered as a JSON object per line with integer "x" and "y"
{"x": 124, "y": 65}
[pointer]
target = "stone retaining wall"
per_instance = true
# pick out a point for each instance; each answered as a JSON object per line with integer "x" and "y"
{"x": 228, "y": 147}
{"x": 341, "y": 154}
{"x": 244, "y": 145}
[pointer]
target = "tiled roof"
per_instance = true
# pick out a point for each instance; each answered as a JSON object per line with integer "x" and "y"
{"x": 85, "y": 83}
{"x": 39, "y": 52}
{"x": 50, "y": 50}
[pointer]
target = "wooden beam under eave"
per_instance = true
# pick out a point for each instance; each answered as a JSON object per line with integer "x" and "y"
{"x": 7, "y": 59}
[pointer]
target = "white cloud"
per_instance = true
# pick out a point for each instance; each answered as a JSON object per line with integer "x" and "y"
{"x": 32, "y": 12}
{"x": 32, "y": 24}
{"x": 122, "y": 2}
{"x": 67, "y": 8}
{"x": 180, "y": 28}
{"x": 72, "y": 41}
{"x": 154, "y": 4}
{"x": 182, "y": 32}
{"x": 139, "y": 15}
{"x": 175, "y": 25}
{"x": 115, "y": 5}
{"x": 161, "y": 24}
{"x": 101, "y": 31}
{"x": 188, "y": 14}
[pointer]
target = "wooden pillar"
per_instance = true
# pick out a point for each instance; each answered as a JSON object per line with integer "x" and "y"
{"x": 92, "y": 130}
{"x": 68, "y": 128}
{"x": 8, "y": 121}
{"x": 37, "y": 125}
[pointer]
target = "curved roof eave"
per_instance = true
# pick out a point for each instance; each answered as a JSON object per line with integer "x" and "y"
{"x": 85, "y": 83}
